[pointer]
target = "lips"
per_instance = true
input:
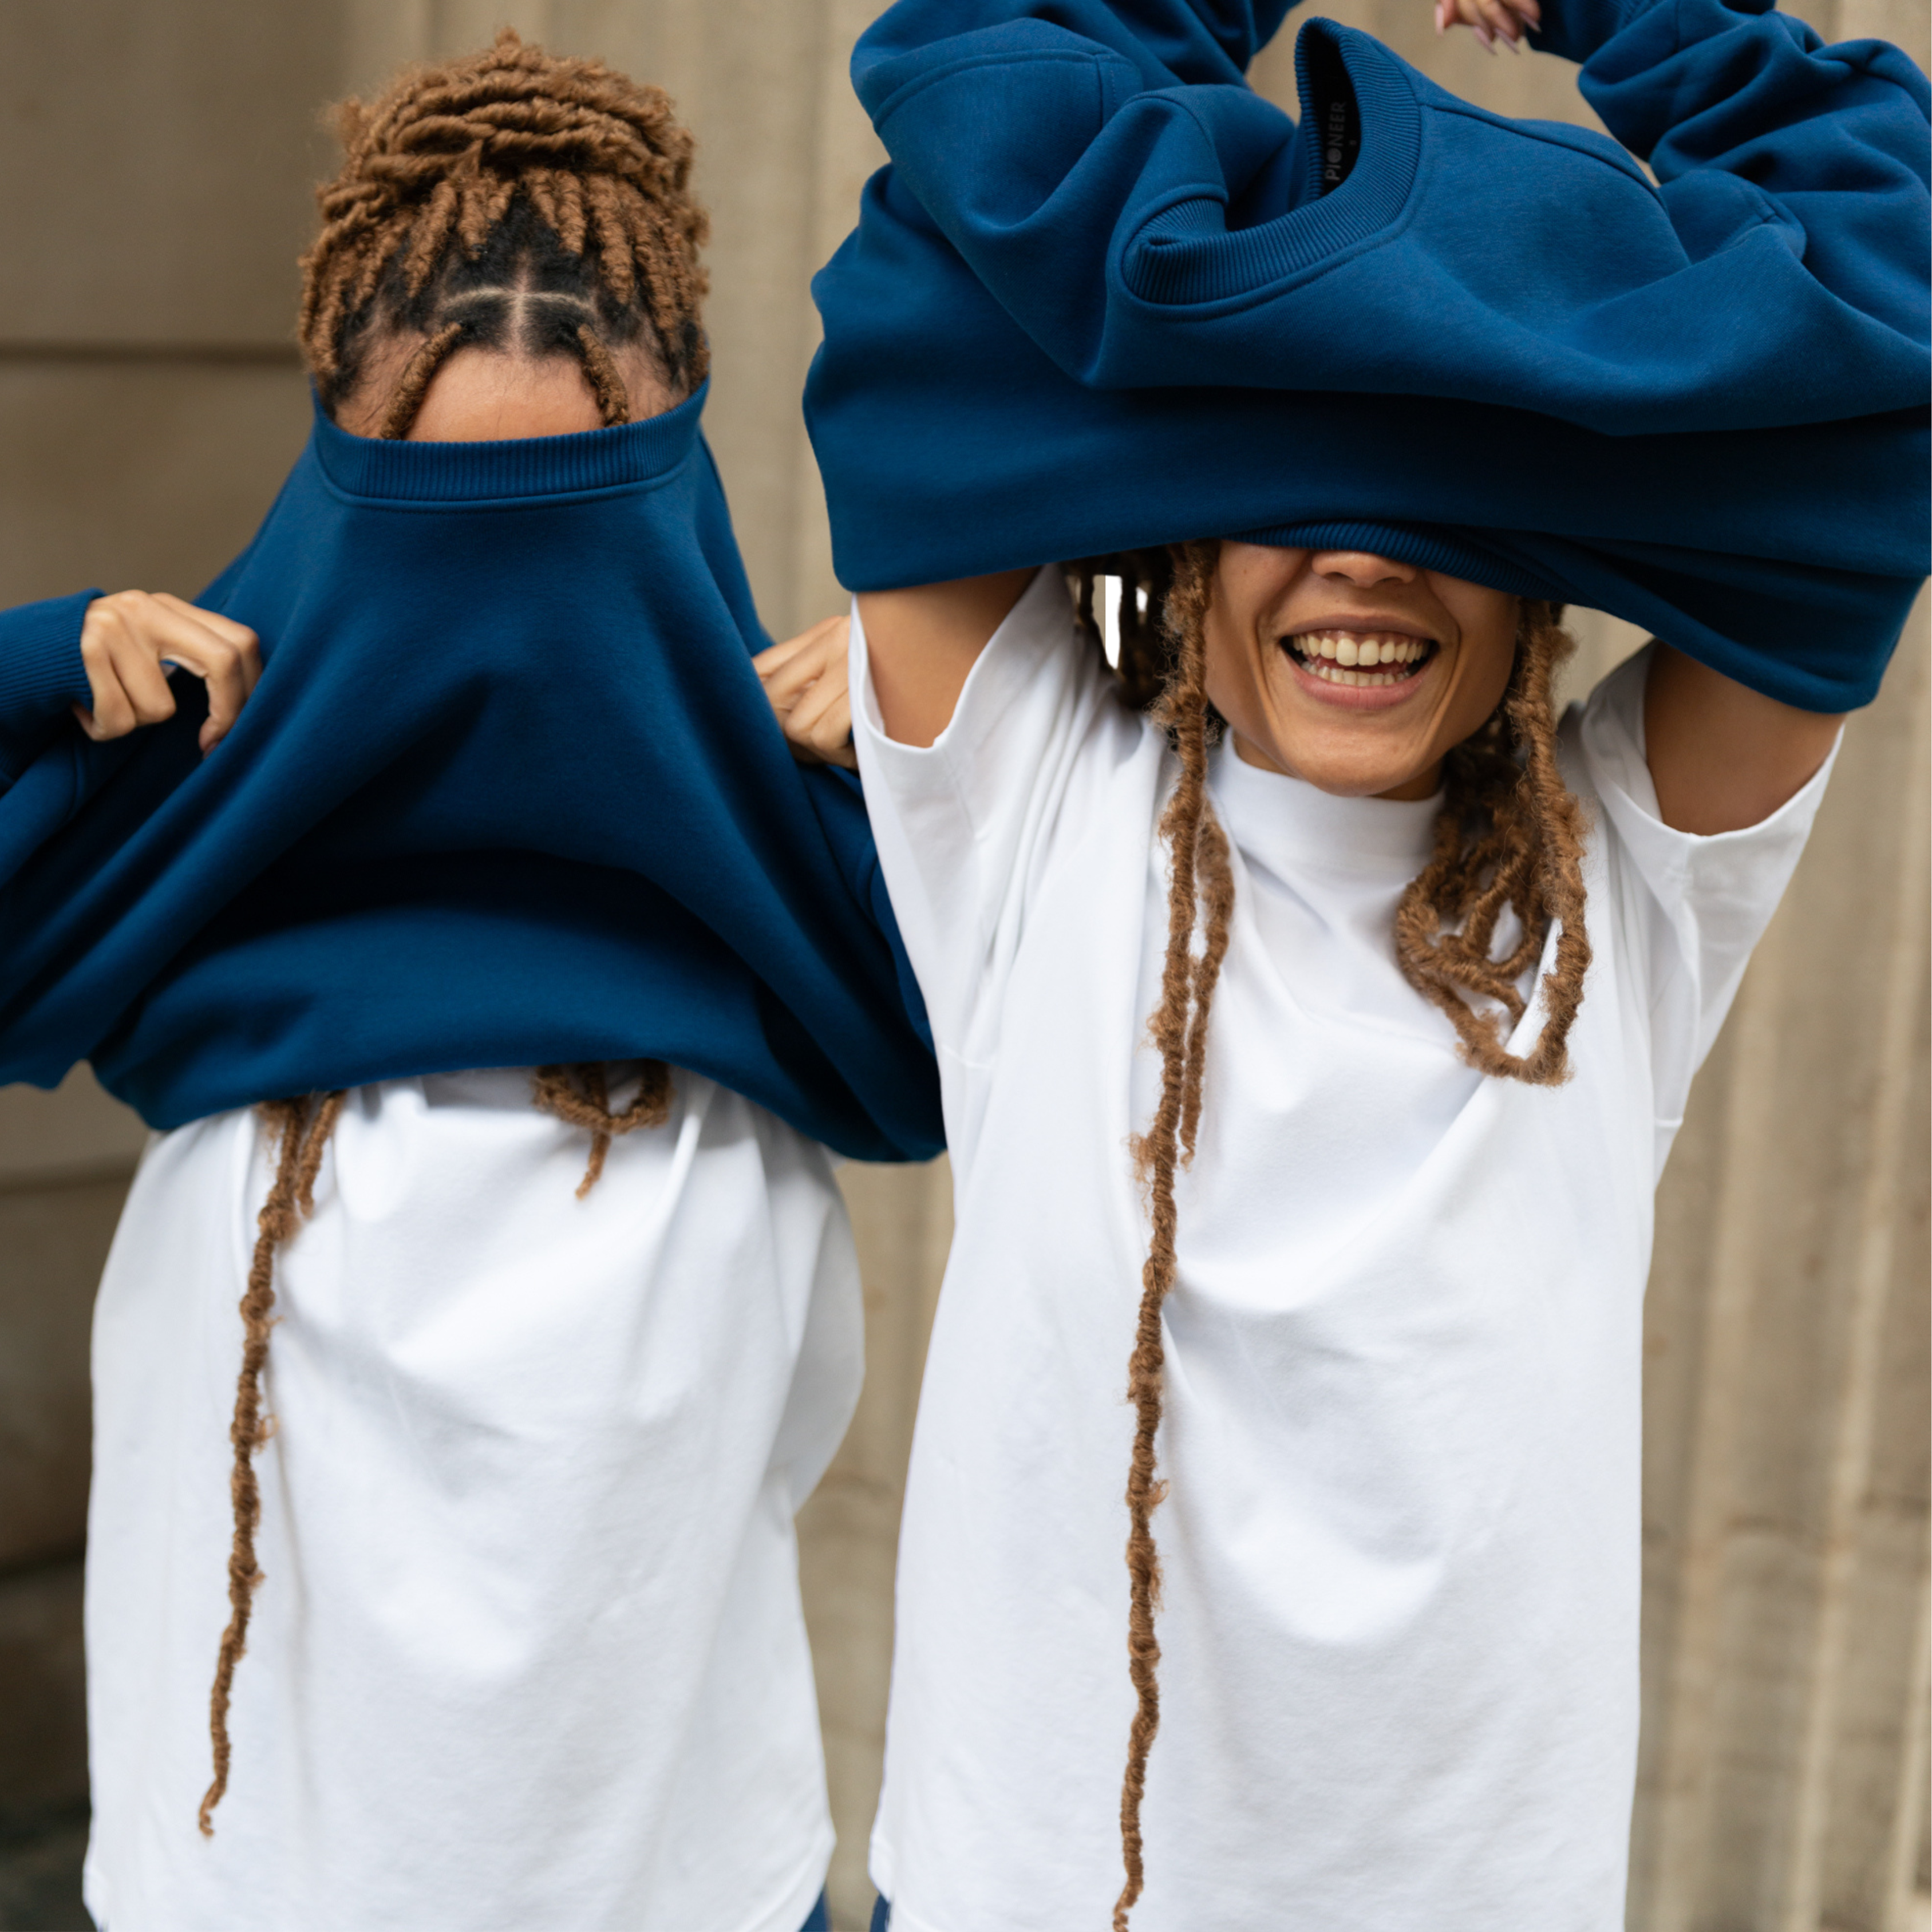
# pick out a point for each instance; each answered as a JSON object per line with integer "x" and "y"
{"x": 1373, "y": 658}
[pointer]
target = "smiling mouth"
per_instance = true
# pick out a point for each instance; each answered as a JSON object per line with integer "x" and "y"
{"x": 1371, "y": 658}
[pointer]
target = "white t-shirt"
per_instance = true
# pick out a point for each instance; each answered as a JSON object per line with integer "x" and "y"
{"x": 528, "y": 1652}
{"x": 1399, "y": 1684}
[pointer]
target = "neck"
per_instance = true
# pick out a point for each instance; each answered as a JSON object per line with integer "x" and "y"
{"x": 1422, "y": 785}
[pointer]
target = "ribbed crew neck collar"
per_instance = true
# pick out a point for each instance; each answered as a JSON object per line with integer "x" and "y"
{"x": 542, "y": 465}
{"x": 1187, "y": 253}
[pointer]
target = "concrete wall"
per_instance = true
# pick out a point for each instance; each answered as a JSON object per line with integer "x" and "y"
{"x": 159, "y": 154}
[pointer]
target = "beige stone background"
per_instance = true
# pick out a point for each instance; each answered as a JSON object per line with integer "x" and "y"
{"x": 157, "y": 155}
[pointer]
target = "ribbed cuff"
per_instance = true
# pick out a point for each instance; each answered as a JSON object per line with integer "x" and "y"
{"x": 1575, "y": 29}
{"x": 40, "y": 669}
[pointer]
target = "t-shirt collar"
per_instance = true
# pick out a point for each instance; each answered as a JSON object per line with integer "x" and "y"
{"x": 1287, "y": 823}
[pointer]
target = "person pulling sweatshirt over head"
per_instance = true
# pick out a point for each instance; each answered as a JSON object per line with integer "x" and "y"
{"x": 1314, "y": 1008}
{"x": 441, "y": 889}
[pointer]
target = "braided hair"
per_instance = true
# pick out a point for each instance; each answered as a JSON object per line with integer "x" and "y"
{"x": 513, "y": 201}
{"x": 1509, "y": 836}
{"x": 535, "y": 206}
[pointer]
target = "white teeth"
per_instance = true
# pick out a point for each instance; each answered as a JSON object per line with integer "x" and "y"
{"x": 1332, "y": 656}
{"x": 1351, "y": 648}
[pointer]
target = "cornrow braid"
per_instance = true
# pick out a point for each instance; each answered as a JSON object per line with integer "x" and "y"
{"x": 302, "y": 1127}
{"x": 417, "y": 375}
{"x": 607, "y": 383}
{"x": 1510, "y": 836}
{"x": 544, "y": 202}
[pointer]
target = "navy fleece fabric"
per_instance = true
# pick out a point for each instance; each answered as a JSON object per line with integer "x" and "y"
{"x": 1105, "y": 295}
{"x": 508, "y": 792}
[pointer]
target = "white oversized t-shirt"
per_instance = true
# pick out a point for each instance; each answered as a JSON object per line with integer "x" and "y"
{"x": 1398, "y": 1680}
{"x": 528, "y": 1652}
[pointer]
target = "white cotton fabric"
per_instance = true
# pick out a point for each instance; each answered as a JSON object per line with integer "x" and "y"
{"x": 1398, "y": 1680}
{"x": 528, "y": 1653}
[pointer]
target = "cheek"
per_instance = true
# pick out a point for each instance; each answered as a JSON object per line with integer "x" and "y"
{"x": 1232, "y": 675}
{"x": 1489, "y": 659}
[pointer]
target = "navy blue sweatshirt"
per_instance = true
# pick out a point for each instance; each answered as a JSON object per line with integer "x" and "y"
{"x": 508, "y": 792}
{"x": 1106, "y": 296}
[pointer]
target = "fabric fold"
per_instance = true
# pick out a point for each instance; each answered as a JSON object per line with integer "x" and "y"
{"x": 1098, "y": 302}
{"x": 508, "y": 792}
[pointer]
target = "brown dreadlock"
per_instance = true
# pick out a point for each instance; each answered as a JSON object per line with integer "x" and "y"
{"x": 579, "y": 1095}
{"x": 302, "y": 1128}
{"x": 1509, "y": 835}
{"x": 514, "y": 201}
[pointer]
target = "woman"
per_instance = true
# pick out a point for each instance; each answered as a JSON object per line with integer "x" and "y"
{"x": 1314, "y": 1011}
{"x": 497, "y": 982}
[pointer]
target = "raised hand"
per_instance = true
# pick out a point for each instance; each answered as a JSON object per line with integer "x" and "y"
{"x": 805, "y": 680}
{"x": 1490, "y": 21}
{"x": 128, "y": 640}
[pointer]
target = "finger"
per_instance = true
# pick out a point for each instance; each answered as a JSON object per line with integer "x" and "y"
{"x": 831, "y": 735}
{"x": 767, "y": 661}
{"x": 770, "y": 660}
{"x": 110, "y": 714}
{"x": 821, "y": 657}
{"x": 226, "y": 659}
{"x": 822, "y": 719}
{"x": 786, "y": 685}
{"x": 211, "y": 620}
{"x": 1500, "y": 22}
{"x": 133, "y": 662}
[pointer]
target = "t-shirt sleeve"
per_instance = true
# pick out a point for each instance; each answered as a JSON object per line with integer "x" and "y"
{"x": 965, "y": 825}
{"x": 1691, "y": 907}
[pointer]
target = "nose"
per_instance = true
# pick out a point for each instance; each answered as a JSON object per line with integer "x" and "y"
{"x": 1362, "y": 568}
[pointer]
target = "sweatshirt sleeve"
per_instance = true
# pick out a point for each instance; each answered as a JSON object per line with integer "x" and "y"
{"x": 41, "y": 675}
{"x": 1149, "y": 222}
{"x": 1728, "y": 100}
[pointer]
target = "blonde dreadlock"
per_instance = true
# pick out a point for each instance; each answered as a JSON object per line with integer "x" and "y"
{"x": 513, "y": 173}
{"x": 1509, "y": 835}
